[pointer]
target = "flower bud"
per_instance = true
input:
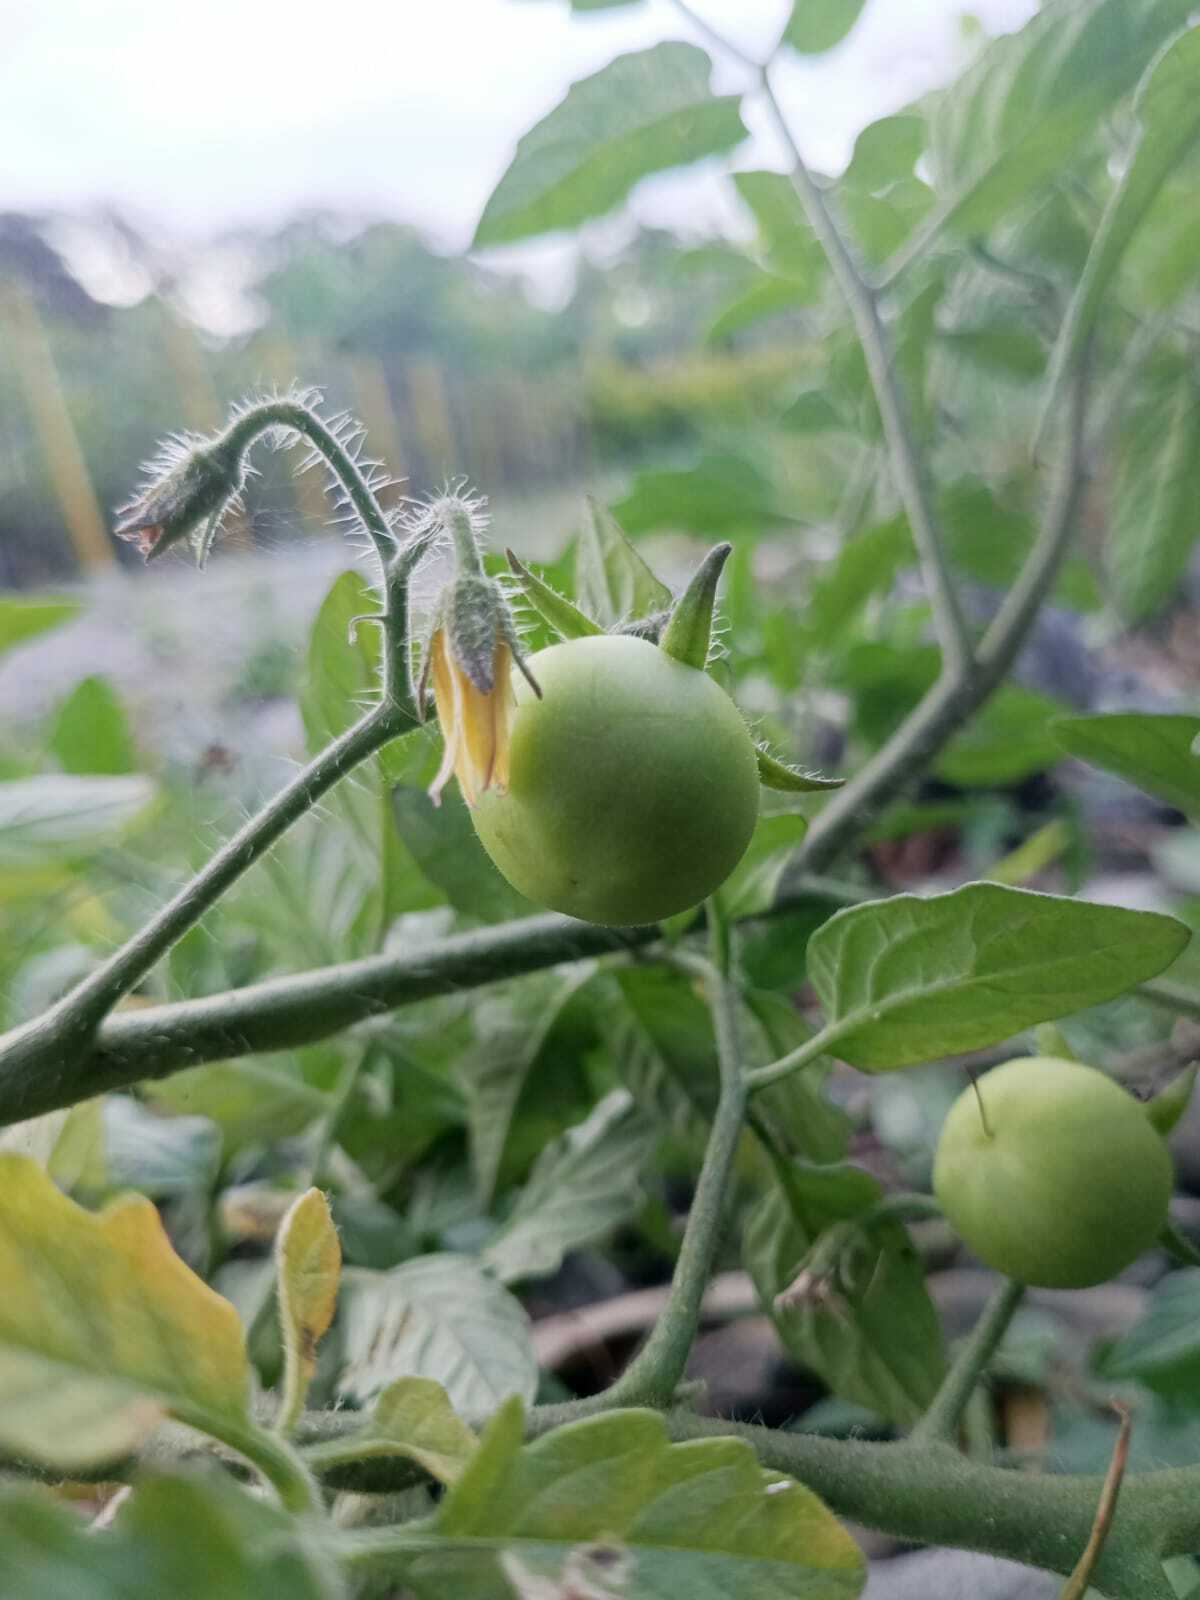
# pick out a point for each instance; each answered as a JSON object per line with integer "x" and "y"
{"x": 188, "y": 491}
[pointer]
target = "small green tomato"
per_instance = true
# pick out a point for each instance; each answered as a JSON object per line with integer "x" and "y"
{"x": 632, "y": 785}
{"x": 1066, "y": 1184}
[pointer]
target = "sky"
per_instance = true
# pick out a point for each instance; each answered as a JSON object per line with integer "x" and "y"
{"x": 193, "y": 119}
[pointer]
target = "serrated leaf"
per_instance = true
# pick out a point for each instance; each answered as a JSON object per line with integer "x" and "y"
{"x": 439, "y": 1317}
{"x": 1002, "y": 128}
{"x": 612, "y": 582}
{"x": 1156, "y": 488}
{"x": 190, "y": 1538}
{"x": 879, "y": 1340}
{"x": 412, "y": 1418}
{"x": 91, "y": 732}
{"x": 645, "y": 112}
{"x": 908, "y": 980}
{"x": 308, "y": 1267}
{"x": 63, "y": 817}
{"x": 582, "y": 1187}
{"x": 701, "y": 1518}
{"x": 1167, "y": 107}
{"x": 817, "y": 25}
{"x": 1153, "y": 751}
{"x": 103, "y": 1329}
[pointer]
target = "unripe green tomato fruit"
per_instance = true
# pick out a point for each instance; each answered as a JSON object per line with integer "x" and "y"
{"x": 1068, "y": 1184}
{"x": 633, "y": 784}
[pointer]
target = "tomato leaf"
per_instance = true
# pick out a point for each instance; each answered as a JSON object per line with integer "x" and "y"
{"x": 25, "y": 618}
{"x": 91, "y": 732}
{"x": 437, "y": 1317}
{"x": 308, "y": 1266}
{"x": 612, "y": 582}
{"x": 909, "y": 979}
{"x": 818, "y": 25}
{"x": 412, "y": 1418}
{"x": 103, "y": 1329}
{"x": 645, "y": 112}
{"x": 1154, "y": 751}
{"x": 611, "y": 1498}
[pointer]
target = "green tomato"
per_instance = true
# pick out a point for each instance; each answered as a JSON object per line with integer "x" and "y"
{"x": 632, "y": 787}
{"x": 1067, "y": 1184}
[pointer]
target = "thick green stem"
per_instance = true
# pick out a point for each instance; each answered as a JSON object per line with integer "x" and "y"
{"x": 40, "y": 1062}
{"x": 940, "y": 1423}
{"x": 281, "y": 1465}
{"x": 654, "y": 1374}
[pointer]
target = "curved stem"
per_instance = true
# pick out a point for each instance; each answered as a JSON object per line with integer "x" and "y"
{"x": 653, "y": 1375}
{"x": 281, "y": 1465}
{"x": 940, "y": 1423}
{"x": 907, "y": 465}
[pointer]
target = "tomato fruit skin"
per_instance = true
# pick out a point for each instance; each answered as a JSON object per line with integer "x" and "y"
{"x": 633, "y": 784}
{"x": 1071, "y": 1186}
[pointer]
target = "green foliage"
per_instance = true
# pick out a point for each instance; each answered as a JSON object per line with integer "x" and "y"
{"x": 611, "y": 1499}
{"x": 612, "y": 581}
{"x": 817, "y": 25}
{"x": 907, "y": 980}
{"x": 1155, "y": 752}
{"x": 91, "y": 732}
{"x": 645, "y": 112}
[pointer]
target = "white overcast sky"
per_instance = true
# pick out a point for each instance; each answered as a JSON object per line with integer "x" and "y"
{"x": 193, "y": 118}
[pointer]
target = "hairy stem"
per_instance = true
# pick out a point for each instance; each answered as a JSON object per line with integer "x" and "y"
{"x": 940, "y": 1423}
{"x": 281, "y": 1465}
{"x": 654, "y": 1374}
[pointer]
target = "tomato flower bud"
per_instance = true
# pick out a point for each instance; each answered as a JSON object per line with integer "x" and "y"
{"x": 190, "y": 488}
{"x": 473, "y": 646}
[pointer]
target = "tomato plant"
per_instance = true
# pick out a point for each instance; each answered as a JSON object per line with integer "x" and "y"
{"x": 375, "y": 1114}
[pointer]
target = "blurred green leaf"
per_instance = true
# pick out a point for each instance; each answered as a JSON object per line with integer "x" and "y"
{"x": 750, "y": 888}
{"x": 192, "y": 1538}
{"x": 248, "y": 1100}
{"x": 907, "y": 980}
{"x": 879, "y": 1341}
{"x": 817, "y": 25}
{"x": 91, "y": 732}
{"x": 721, "y": 494}
{"x": 788, "y": 245}
{"x": 766, "y": 295}
{"x": 444, "y": 845}
{"x": 866, "y": 564}
{"x": 1156, "y": 488}
{"x": 885, "y": 152}
{"x": 26, "y": 617}
{"x": 1155, "y": 752}
{"x": 1162, "y": 1350}
{"x": 1006, "y": 742}
{"x": 1001, "y": 129}
{"x": 1167, "y": 107}
{"x": 609, "y": 1505}
{"x": 582, "y": 1187}
{"x": 437, "y": 1317}
{"x": 643, "y": 113}
{"x": 58, "y": 818}
{"x": 812, "y": 411}
{"x": 612, "y": 581}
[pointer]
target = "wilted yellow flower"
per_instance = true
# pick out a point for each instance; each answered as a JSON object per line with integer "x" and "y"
{"x": 474, "y": 720}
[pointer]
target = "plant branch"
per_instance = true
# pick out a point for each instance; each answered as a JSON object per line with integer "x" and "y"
{"x": 41, "y": 1061}
{"x": 907, "y": 465}
{"x": 281, "y": 1465}
{"x": 654, "y": 1374}
{"x": 949, "y": 703}
{"x": 707, "y": 31}
{"x": 940, "y": 1423}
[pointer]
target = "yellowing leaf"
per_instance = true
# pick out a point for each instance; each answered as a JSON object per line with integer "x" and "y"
{"x": 308, "y": 1261}
{"x": 103, "y": 1329}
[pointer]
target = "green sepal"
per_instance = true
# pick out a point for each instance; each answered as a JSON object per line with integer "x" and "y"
{"x": 1178, "y": 1246}
{"x": 553, "y": 608}
{"x": 688, "y": 634}
{"x": 1050, "y": 1040}
{"x": 773, "y": 774}
{"x": 1168, "y": 1106}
